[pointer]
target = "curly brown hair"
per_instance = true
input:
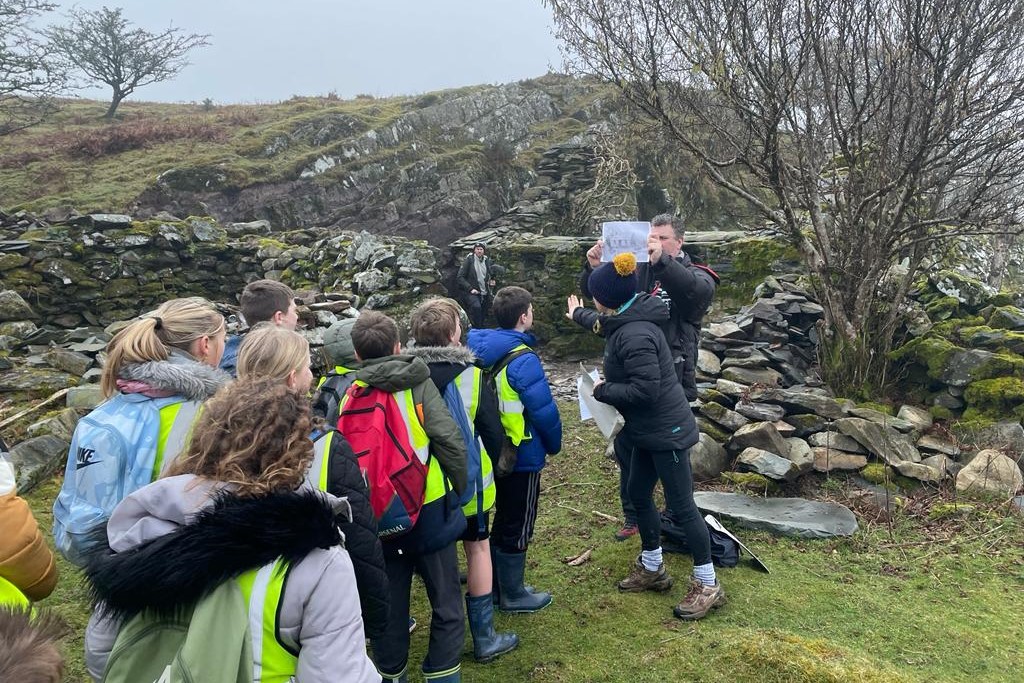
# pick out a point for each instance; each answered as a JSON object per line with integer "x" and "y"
{"x": 253, "y": 434}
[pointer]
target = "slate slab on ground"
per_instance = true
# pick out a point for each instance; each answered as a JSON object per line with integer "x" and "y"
{"x": 796, "y": 517}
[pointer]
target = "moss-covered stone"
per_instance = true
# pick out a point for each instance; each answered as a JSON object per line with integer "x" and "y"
{"x": 929, "y": 352}
{"x": 994, "y": 398}
{"x": 942, "y": 308}
{"x": 941, "y": 413}
{"x": 11, "y": 261}
{"x": 969, "y": 291}
{"x": 1007, "y": 318}
{"x": 751, "y": 481}
{"x": 880, "y": 407}
{"x": 885, "y": 476}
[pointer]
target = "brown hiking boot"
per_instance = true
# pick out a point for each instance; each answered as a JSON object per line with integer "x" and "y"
{"x": 700, "y": 600}
{"x": 640, "y": 579}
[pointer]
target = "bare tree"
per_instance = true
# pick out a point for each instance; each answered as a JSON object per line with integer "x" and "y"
{"x": 867, "y": 131}
{"x": 107, "y": 48}
{"x": 28, "y": 78}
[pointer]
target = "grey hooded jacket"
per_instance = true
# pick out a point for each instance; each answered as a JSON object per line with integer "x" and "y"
{"x": 319, "y": 614}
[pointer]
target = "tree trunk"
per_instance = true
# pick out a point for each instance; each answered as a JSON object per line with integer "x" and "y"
{"x": 114, "y": 102}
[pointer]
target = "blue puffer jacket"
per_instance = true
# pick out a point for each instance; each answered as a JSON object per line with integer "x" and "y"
{"x": 526, "y": 375}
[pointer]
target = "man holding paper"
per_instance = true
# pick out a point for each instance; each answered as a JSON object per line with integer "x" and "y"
{"x": 669, "y": 274}
{"x": 687, "y": 289}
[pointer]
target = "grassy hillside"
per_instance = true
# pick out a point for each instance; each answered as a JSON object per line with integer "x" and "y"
{"x": 922, "y": 600}
{"x": 78, "y": 161}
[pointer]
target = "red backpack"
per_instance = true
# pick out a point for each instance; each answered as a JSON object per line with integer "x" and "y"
{"x": 373, "y": 423}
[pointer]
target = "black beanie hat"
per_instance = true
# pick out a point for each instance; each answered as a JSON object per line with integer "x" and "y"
{"x": 614, "y": 283}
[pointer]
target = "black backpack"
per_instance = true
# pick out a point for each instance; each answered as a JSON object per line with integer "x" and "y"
{"x": 328, "y": 398}
{"x": 725, "y": 552}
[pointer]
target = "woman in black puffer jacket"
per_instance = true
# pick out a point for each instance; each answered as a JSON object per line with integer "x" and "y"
{"x": 641, "y": 383}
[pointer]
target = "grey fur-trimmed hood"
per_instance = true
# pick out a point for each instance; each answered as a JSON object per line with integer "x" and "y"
{"x": 443, "y": 354}
{"x": 180, "y": 374}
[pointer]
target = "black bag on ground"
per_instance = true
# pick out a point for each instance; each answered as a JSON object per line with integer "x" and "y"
{"x": 725, "y": 552}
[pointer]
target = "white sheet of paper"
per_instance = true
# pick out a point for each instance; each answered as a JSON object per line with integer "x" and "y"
{"x": 603, "y": 414}
{"x": 625, "y": 236}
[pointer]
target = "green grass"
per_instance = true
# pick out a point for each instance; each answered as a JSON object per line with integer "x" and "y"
{"x": 920, "y": 601}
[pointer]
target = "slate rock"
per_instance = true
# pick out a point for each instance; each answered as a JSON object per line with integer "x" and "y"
{"x": 36, "y": 459}
{"x": 936, "y": 444}
{"x": 708, "y": 363}
{"x": 13, "y": 307}
{"x": 962, "y": 365}
{"x": 828, "y": 460}
{"x": 803, "y": 401}
{"x": 84, "y": 397}
{"x": 881, "y": 418}
{"x": 753, "y": 361}
{"x": 708, "y": 459}
{"x": 784, "y": 429}
{"x": 920, "y": 418}
{"x": 1007, "y": 318}
{"x": 709, "y": 395}
{"x": 884, "y": 442}
{"x": 837, "y": 441}
{"x": 806, "y": 424}
{"x": 733, "y": 389}
{"x": 62, "y": 425}
{"x": 800, "y": 454}
{"x": 69, "y": 361}
{"x": 765, "y": 376}
{"x": 38, "y": 380}
{"x": 920, "y": 471}
{"x": 767, "y": 464}
{"x": 726, "y": 330}
{"x": 944, "y": 464}
{"x": 990, "y": 472}
{"x": 762, "y": 435}
{"x": 760, "y": 412}
{"x": 722, "y": 416}
{"x": 795, "y": 517}
{"x": 1007, "y": 436}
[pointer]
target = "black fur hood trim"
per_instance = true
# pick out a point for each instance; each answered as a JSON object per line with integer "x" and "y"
{"x": 221, "y": 542}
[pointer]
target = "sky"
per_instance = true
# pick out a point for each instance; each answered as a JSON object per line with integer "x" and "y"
{"x": 269, "y": 50}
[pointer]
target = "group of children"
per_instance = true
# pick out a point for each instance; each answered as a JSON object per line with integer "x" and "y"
{"x": 240, "y": 497}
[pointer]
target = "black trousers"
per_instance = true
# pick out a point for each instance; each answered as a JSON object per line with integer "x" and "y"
{"x": 672, "y": 468}
{"x": 622, "y": 456}
{"x": 440, "y": 573}
{"x": 515, "y": 510}
{"x": 477, "y": 306}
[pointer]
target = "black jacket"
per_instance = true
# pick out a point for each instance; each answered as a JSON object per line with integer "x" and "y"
{"x": 688, "y": 289}
{"x": 640, "y": 380}
{"x": 345, "y": 479}
{"x": 468, "y": 279}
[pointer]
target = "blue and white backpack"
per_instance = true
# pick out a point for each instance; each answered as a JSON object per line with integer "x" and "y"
{"x": 113, "y": 453}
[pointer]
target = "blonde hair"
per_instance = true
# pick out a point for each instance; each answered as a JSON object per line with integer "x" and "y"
{"x": 175, "y": 324}
{"x": 254, "y": 435}
{"x": 272, "y": 352}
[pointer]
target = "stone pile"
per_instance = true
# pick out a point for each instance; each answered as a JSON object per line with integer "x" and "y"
{"x": 763, "y": 411}
{"x": 965, "y": 353}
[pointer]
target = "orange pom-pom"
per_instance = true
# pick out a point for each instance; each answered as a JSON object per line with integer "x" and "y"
{"x": 625, "y": 263}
